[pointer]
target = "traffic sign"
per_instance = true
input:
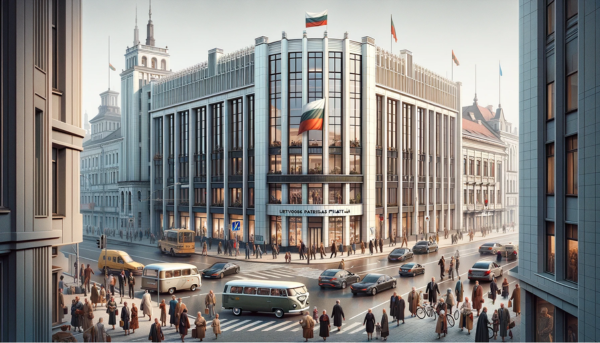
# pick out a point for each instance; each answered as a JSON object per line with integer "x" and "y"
{"x": 235, "y": 226}
{"x": 427, "y": 218}
{"x": 381, "y": 217}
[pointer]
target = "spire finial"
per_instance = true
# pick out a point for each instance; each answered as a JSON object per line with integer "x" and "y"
{"x": 475, "y": 99}
{"x": 135, "y": 15}
{"x": 150, "y": 11}
{"x": 150, "y": 28}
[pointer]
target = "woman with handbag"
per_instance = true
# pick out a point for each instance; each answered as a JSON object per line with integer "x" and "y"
{"x": 494, "y": 290}
{"x": 125, "y": 318}
{"x": 466, "y": 316}
{"x": 496, "y": 323}
{"x": 200, "y": 327}
{"x": 505, "y": 291}
{"x": 111, "y": 309}
{"x": 134, "y": 318}
{"x": 184, "y": 324}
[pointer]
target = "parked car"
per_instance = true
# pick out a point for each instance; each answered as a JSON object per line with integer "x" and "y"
{"x": 220, "y": 269}
{"x": 490, "y": 248}
{"x": 512, "y": 252}
{"x": 400, "y": 254}
{"x": 485, "y": 270}
{"x": 411, "y": 269}
{"x": 425, "y": 247}
{"x": 337, "y": 278}
{"x": 373, "y": 283}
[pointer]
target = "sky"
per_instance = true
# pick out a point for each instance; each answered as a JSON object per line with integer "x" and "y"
{"x": 482, "y": 33}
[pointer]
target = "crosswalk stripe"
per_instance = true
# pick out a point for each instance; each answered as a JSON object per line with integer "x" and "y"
{"x": 247, "y": 326}
{"x": 236, "y": 324}
{"x": 287, "y": 327}
{"x": 357, "y": 330}
{"x": 275, "y": 326}
{"x": 208, "y": 323}
{"x": 260, "y": 326}
{"x": 270, "y": 274}
{"x": 347, "y": 328}
{"x": 254, "y": 275}
{"x": 229, "y": 322}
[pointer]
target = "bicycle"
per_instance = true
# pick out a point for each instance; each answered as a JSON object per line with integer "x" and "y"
{"x": 426, "y": 309}
{"x": 490, "y": 331}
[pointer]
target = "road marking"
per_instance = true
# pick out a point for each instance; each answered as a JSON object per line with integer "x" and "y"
{"x": 287, "y": 327}
{"x": 229, "y": 322}
{"x": 247, "y": 326}
{"x": 254, "y": 275}
{"x": 275, "y": 326}
{"x": 260, "y": 326}
{"x": 236, "y": 324}
{"x": 357, "y": 330}
{"x": 347, "y": 328}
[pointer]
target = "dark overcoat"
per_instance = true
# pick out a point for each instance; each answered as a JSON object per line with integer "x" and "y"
{"x": 338, "y": 315}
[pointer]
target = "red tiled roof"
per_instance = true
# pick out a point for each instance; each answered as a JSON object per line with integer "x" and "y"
{"x": 477, "y": 129}
{"x": 485, "y": 112}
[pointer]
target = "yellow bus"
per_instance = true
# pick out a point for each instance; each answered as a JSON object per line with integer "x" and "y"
{"x": 177, "y": 242}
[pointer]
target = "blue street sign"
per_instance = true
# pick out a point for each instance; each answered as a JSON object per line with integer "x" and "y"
{"x": 235, "y": 226}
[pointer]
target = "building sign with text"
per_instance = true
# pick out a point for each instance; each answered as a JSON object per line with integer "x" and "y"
{"x": 314, "y": 210}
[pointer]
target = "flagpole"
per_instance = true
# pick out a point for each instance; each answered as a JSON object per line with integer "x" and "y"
{"x": 108, "y": 62}
{"x": 499, "y": 76}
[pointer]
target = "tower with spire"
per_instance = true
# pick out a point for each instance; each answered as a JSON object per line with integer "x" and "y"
{"x": 150, "y": 28}
{"x": 136, "y": 32}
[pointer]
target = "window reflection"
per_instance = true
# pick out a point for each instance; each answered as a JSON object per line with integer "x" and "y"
{"x": 544, "y": 324}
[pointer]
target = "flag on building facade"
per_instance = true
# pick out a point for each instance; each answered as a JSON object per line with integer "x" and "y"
{"x": 312, "y": 116}
{"x": 454, "y": 58}
{"x": 500, "y": 66}
{"x": 316, "y": 19}
{"x": 111, "y": 67}
{"x": 394, "y": 31}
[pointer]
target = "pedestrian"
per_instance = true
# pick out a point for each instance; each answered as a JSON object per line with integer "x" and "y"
{"x": 216, "y": 326}
{"x": 122, "y": 282}
{"x": 95, "y": 297}
{"x": 131, "y": 283}
{"x": 377, "y": 330}
{"x": 496, "y": 324}
{"x": 369, "y": 324}
{"x": 100, "y": 331}
{"x": 440, "y": 306}
{"x": 156, "y": 334}
{"x": 545, "y": 326}
{"x": 88, "y": 315}
{"x": 342, "y": 265}
{"x": 210, "y": 243}
{"x": 385, "y": 327}
{"x": 259, "y": 251}
{"x": 322, "y": 250}
{"x": 442, "y": 264}
{"x": 333, "y": 250}
{"x": 219, "y": 248}
{"x": 380, "y": 244}
{"x": 302, "y": 250}
{"x": 324, "y": 325}
{"x": 338, "y": 315}
{"x": 371, "y": 247}
{"x": 237, "y": 248}
{"x": 82, "y": 276}
{"x": 178, "y": 311}
{"x": 184, "y": 324}
{"x": 61, "y": 305}
{"x": 210, "y": 301}
{"x": 451, "y": 268}
{"x": 172, "y": 314}
{"x": 362, "y": 247}
{"x": 481, "y": 334}
{"x": 274, "y": 250}
{"x": 392, "y": 301}
{"x": 204, "y": 249}
{"x": 135, "y": 324}
{"x": 353, "y": 247}
{"x": 200, "y": 327}
{"x": 399, "y": 307}
{"x": 516, "y": 299}
{"x": 466, "y": 316}
{"x": 147, "y": 305}
{"x": 349, "y": 250}
{"x": 163, "y": 312}
{"x": 125, "y": 318}
{"x": 76, "y": 305}
{"x": 493, "y": 290}
{"x": 111, "y": 309}
{"x": 87, "y": 276}
{"x": 103, "y": 295}
{"x": 442, "y": 324}
{"x": 288, "y": 257}
{"x": 313, "y": 251}
{"x": 432, "y": 291}
{"x": 450, "y": 303}
{"x": 61, "y": 283}
{"x": 457, "y": 263}
{"x": 413, "y": 302}
{"x": 499, "y": 256}
{"x": 477, "y": 296}
{"x": 308, "y": 326}
{"x": 505, "y": 291}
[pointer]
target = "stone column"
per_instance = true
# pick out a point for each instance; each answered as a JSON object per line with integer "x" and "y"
{"x": 369, "y": 106}
{"x": 209, "y": 148}
{"x": 191, "y": 165}
{"x": 226, "y": 125}
{"x": 177, "y": 188}
{"x": 245, "y": 193}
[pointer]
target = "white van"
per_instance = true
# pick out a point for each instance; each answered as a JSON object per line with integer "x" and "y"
{"x": 170, "y": 277}
{"x": 277, "y": 297}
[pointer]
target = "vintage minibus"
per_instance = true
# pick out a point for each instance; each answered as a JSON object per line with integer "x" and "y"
{"x": 177, "y": 242}
{"x": 171, "y": 277}
{"x": 277, "y": 297}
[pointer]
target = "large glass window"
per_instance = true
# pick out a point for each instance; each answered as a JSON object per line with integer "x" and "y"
{"x": 218, "y": 225}
{"x": 275, "y": 164}
{"x": 295, "y": 98}
{"x": 550, "y": 248}
{"x": 550, "y": 89}
{"x": 294, "y": 231}
{"x": 571, "y": 8}
{"x": 275, "y": 100}
{"x": 236, "y": 167}
{"x": 217, "y": 139}
{"x": 236, "y": 125}
{"x": 315, "y": 164}
{"x": 295, "y": 164}
{"x": 184, "y": 133}
{"x": 201, "y": 141}
{"x": 171, "y": 132}
{"x": 550, "y": 18}
{"x": 315, "y": 194}
{"x": 250, "y": 197}
{"x": 572, "y": 60}
{"x": 336, "y": 230}
{"x": 544, "y": 321}
{"x": 335, "y": 99}
{"x": 251, "y": 124}
{"x": 335, "y": 163}
{"x": 274, "y": 193}
{"x": 251, "y": 228}
{"x": 336, "y": 193}
{"x": 355, "y": 231}
{"x": 275, "y": 229}
{"x": 379, "y": 132}
{"x": 550, "y": 168}
{"x": 421, "y": 131}
{"x": 355, "y": 193}
{"x": 407, "y": 128}
{"x": 295, "y": 193}
{"x": 200, "y": 224}
{"x": 235, "y": 197}
{"x": 355, "y": 107}
{"x": 217, "y": 197}
{"x": 572, "y": 165}
{"x": 200, "y": 197}
{"x": 571, "y": 327}
{"x": 55, "y": 183}
{"x": 572, "y": 255}
{"x": 355, "y": 164}
{"x": 393, "y": 196}
{"x": 392, "y": 122}
{"x": 315, "y": 92}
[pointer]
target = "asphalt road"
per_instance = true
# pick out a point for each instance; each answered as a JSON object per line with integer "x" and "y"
{"x": 265, "y": 327}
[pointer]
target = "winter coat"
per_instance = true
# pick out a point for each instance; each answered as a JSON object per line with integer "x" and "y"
{"x": 369, "y": 322}
{"x": 324, "y": 325}
{"x": 338, "y": 315}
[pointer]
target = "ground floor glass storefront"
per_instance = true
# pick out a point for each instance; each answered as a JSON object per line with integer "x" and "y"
{"x": 355, "y": 229}
{"x": 275, "y": 229}
{"x": 336, "y": 230}
{"x": 218, "y": 221}
{"x": 200, "y": 224}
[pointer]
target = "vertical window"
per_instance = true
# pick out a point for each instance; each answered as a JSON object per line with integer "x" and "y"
{"x": 355, "y": 193}
{"x": 335, "y": 99}
{"x": 171, "y": 133}
{"x": 200, "y": 142}
{"x": 217, "y": 197}
{"x": 40, "y": 164}
{"x": 379, "y": 132}
{"x": 550, "y": 247}
{"x": 295, "y": 166}
{"x": 406, "y": 127}
{"x": 40, "y": 33}
{"x": 251, "y": 124}
{"x": 336, "y": 193}
{"x": 217, "y": 139}
{"x": 572, "y": 165}
{"x": 550, "y": 89}
{"x": 550, "y": 18}
{"x": 545, "y": 327}
{"x": 336, "y": 230}
{"x": 315, "y": 92}
{"x": 236, "y": 128}
{"x": 572, "y": 254}
{"x": 55, "y": 44}
{"x": 55, "y": 184}
{"x": 184, "y": 134}
{"x": 295, "y": 231}
{"x": 355, "y": 106}
{"x": 572, "y": 56}
{"x": 571, "y": 327}
{"x": 250, "y": 197}
{"x": 571, "y": 8}
{"x": 315, "y": 194}
{"x": 295, "y": 194}
{"x": 275, "y": 193}
{"x": 275, "y": 100}
{"x": 421, "y": 130}
{"x": 295, "y": 98}
{"x": 550, "y": 168}
{"x": 274, "y": 164}
{"x": 392, "y": 115}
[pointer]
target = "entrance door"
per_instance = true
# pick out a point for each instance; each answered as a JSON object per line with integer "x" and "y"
{"x": 315, "y": 234}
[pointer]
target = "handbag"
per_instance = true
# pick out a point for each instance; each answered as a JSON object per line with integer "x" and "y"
{"x": 90, "y": 315}
{"x": 194, "y": 333}
{"x": 79, "y": 312}
{"x": 116, "y": 312}
{"x": 206, "y": 310}
{"x": 108, "y": 338}
{"x": 65, "y": 310}
{"x": 121, "y": 323}
{"x": 511, "y": 325}
{"x": 498, "y": 292}
{"x": 141, "y": 306}
{"x": 509, "y": 303}
{"x": 490, "y": 295}
{"x": 426, "y": 296}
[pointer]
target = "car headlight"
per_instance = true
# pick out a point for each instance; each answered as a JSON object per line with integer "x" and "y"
{"x": 302, "y": 297}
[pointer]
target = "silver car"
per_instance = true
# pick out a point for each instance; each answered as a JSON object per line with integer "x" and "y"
{"x": 491, "y": 248}
{"x": 485, "y": 270}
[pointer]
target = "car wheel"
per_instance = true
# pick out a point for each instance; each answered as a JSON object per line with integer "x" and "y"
{"x": 393, "y": 285}
{"x": 353, "y": 293}
{"x": 222, "y": 275}
{"x": 237, "y": 270}
{"x": 193, "y": 288}
{"x": 374, "y": 291}
{"x": 236, "y": 311}
{"x": 344, "y": 285}
{"x": 171, "y": 290}
{"x": 491, "y": 277}
{"x": 414, "y": 274}
{"x": 279, "y": 313}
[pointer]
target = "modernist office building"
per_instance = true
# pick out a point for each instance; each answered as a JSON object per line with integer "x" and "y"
{"x": 225, "y": 145}
{"x": 40, "y": 143}
{"x": 559, "y": 107}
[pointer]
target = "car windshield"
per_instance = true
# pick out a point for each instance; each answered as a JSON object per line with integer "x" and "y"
{"x": 371, "y": 278}
{"x": 218, "y": 266}
{"x": 410, "y": 265}
{"x": 422, "y": 243}
{"x": 126, "y": 258}
{"x": 398, "y": 251}
{"x": 297, "y": 290}
{"x": 488, "y": 245}
{"x": 329, "y": 273}
{"x": 481, "y": 265}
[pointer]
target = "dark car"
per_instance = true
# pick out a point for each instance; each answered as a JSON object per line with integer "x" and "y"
{"x": 400, "y": 254}
{"x": 425, "y": 247}
{"x": 220, "y": 270}
{"x": 411, "y": 269}
{"x": 373, "y": 283}
{"x": 337, "y": 278}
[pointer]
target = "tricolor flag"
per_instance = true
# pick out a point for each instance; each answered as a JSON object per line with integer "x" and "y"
{"x": 394, "y": 30}
{"x": 312, "y": 116}
{"x": 111, "y": 67}
{"x": 454, "y": 58}
{"x": 316, "y": 19}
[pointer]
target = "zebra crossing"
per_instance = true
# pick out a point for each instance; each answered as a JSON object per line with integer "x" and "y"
{"x": 280, "y": 273}
{"x": 249, "y": 325}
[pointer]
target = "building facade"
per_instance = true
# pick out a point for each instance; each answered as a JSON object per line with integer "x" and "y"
{"x": 40, "y": 142}
{"x": 557, "y": 40}
{"x": 225, "y": 145}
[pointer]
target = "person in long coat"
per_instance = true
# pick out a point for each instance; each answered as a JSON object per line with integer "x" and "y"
{"x": 338, "y": 315}
{"x": 449, "y": 301}
{"x": 163, "y": 312}
{"x": 200, "y": 326}
{"x": 173, "y": 312}
{"x": 381, "y": 245}
{"x": 308, "y": 326}
{"x": 216, "y": 326}
{"x": 413, "y": 302}
{"x": 342, "y": 265}
{"x": 504, "y": 317}
{"x": 494, "y": 290}
{"x": 516, "y": 299}
{"x": 324, "y": 325}
{"x": 95, "y": 297}
{"x": 466, "y": 316}
{"x": 458, "y": 290}
{"x": 184, "y": 324}
{"x": 75, "y": 322}
{"x": 111, "y": 309}
{"x": 100, "y": 331}
{"x": 61, "y": 305}
{"x": 371, "y": 247}
{"x": 369, "y": 324}
{"x": 481, "y": 334}
{"x": 385, "y": 327}
{"x": 103, "y": 295}
{"x": 125, "y": 317}
{"x": 392, "y": 301}
{"x": 495, "y": 324}
{"x": 441, "y": 306}
{"x": 362, "y": 247}
{"x": 442, "y": 325}
{"x": 477, "y": 296}
{"x": 399, "y": 307}
{"x": 135, "y": 324}
{"x": 432, "y": 290}
{"x": 505, "y": 292}
{"x": 156, "y": 334}
{"x": 333, "y": 250}
{"x": 442, "y": 264}
{"x": 88, "y": 315}
{"x": 147, "y": 304}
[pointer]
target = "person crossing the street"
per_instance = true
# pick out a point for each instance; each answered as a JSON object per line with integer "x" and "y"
{"x": 210, "y": 301}
{"x": 338, "y": 315}
{"x": 442, "y": 264}
{"x": 451, "y": 268}
{"x": 432, "y": 291}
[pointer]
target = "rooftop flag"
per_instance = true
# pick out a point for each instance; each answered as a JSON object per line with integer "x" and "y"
{"x": 394, "y": 31}
{"x": 454, "y": 58}
{"x": 312, "y": 116}
{"x": 111, "y": 67}
{"x": 316, "y": 19}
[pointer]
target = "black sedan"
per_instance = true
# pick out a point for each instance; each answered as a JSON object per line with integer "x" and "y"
{"x": 400, "y": 254}
{"x": 425, "y": 247}
{"x": 411, "y": 269}
{"x": 373, "y": 283}
{"x": 337, "y": 278}
{"x": 220, "y": 269}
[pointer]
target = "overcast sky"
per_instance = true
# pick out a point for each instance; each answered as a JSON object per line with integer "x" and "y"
{"x": 481, "y": 33}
